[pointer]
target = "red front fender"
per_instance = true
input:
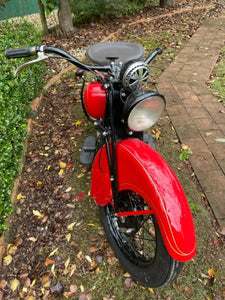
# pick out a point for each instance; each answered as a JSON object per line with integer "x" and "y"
{"x": 142, "y": 170}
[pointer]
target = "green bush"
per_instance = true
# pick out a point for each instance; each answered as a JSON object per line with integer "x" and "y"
{"x": 90, "y": 10}
{"x": 15, "y": 95}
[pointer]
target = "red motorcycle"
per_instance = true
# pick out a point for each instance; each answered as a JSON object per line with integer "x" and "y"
{"x": 143, "y": 207}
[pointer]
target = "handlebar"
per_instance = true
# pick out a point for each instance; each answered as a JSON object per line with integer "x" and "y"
{"x": 41, "y": 50}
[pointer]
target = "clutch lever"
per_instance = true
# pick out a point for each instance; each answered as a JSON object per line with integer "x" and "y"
{"x": 41, "y": 56}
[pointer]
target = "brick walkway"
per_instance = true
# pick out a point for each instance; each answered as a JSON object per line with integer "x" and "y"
{"x": 195, "y": 112}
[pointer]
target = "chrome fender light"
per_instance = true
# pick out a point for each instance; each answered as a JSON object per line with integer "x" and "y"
{"x": 143, "y": 109}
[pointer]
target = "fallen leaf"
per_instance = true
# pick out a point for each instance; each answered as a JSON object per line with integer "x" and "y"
{"x": 7, "y": 260}
{"x": 53, "y": 270}
{"x": 93, "y": 249}
{"x": 12, "y": 250}
{"x": 53, "y": 91}
{"x": 68, "y": 294}
{"x": 49, "y": 262}
{"x": 73, "y": 288}
{"x": 33, "y": 282}
{"x": 32, "y": 239}
{"x": 44, "y": 219}
{"x": 39, "y": 183}
{"x": 3, "y": 284}
{"x": 69, "y": 165}
{"x": 223, "y": 293}
{"x": 88, "y": 258}
{"x": 175, "y": 141}
{"x": 30, "y": 298}
{"x": 43, "y": 154}
{"x": 67, "y": 263}
{"x": 45, "y": 281}
{"x": 14, "y": 284}
{"x": 70, "y": 227}
{"x": 204, "y": 276}
{"x": 70, "y": 205}
{"x": 208, "y": 133}
{"x": 62, "y": 164}
{"x": 19, "y": 241}
{"x": 20, "y": 196}
{"x": 68, "y": 237}
{"x": 112, "y": 261}
{"x": 78, "y": 123}
{"x": 221, "y": 140}
{"x": 22, "y": 294}
{"x": 53, "y": 252}
{"x": 80, "y": 175}
{"x": 38, "y": 214}
{"x": 61, "y": 172}
{"x": 26, "y": 282}
{"x": 151, "y": 290}
{"x": 184, "y": 147}
{"x": 80, "y": 196}
{"x": 128, "y": 284}
{"x": 79, "y": 255}
{"x": 72, "y": 270}
{"x": 211, "y": 272}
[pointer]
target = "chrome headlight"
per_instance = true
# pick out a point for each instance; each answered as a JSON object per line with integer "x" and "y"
{"x": 143, "y": 109}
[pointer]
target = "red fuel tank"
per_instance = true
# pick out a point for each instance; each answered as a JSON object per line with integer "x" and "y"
{"x": 95, "y": 99}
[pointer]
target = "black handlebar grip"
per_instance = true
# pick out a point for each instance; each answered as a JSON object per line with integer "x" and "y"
{"x": 20, "y": 52}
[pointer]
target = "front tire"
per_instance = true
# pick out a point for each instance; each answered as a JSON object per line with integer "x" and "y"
{"x": 138, "y": 243}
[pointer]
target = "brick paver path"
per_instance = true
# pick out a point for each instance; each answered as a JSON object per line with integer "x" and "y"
{"x": 196, "y": 114}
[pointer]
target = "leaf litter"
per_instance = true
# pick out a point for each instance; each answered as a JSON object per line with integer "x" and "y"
{"x": 57, "y": 247}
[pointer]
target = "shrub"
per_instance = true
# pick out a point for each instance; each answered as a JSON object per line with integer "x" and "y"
{"x": 90, "y": 10}
{"x": 15, "y": 94}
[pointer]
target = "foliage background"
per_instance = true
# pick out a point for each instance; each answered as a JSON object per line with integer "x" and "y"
{"x": 15, "y": 94}
{"x": 90, "y": 10}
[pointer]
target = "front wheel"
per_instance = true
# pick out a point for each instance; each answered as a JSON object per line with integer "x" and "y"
{"x": 138, "y": 243}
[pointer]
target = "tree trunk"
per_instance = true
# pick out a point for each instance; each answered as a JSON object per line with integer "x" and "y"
{"x": 43, "y": 17}
{"x": 65, "y": 18}
{"x": 164, "y": 3}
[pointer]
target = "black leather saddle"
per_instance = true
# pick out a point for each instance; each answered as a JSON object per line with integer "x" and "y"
{"x": 102, "y": 53}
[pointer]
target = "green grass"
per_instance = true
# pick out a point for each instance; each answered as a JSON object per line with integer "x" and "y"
{"x": 218, "y": 85}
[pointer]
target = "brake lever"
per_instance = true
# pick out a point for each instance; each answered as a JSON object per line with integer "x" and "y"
{"x": 41, "y": 56}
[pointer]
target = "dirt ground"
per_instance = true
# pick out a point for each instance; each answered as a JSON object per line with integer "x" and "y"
{"x": 56, "y": 247}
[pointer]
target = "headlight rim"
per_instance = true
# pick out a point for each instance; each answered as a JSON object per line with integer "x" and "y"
{"x": 134, "y": 99}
